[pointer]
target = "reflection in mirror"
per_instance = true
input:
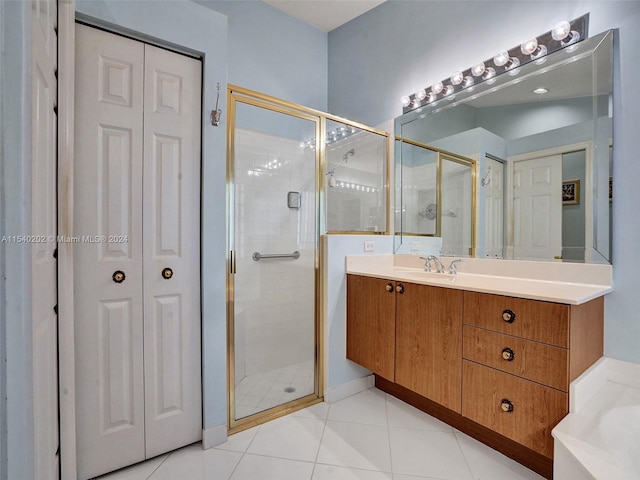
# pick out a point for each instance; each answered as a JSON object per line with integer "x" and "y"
{"x": 436, "y": 198}
{"x": 355, "y": 173}
{"x": 532, "y": 132}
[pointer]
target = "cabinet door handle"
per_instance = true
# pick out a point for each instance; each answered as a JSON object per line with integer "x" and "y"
{"x": 508, "y": 316}
{"x": 389, "y": 287}
{"x": 508, "y": 354}
{"x": 506, "y": 405}
{"x": 400, "y": 288}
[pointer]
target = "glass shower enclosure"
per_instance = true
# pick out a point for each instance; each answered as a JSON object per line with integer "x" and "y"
{"x": 273, "y": 183}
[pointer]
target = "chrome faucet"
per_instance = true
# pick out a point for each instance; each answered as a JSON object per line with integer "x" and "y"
{"x": 452, "y": 266}
{"x": 427, "y": 264}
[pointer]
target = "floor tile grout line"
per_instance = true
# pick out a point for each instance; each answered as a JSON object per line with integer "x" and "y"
{"x": 464, "y": 455}
{"x": 386, "y": 413}
{"x": 161, "y": 463}
{"x": 244, "y": 453}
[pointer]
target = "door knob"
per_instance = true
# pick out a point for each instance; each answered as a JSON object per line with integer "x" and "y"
{"x": 118, "y": 276}
{"x": 167, "y": 273}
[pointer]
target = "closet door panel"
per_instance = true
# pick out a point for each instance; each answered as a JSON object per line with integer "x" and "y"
{"x": 108, "y": 252}
{"x": 171, "y": 205}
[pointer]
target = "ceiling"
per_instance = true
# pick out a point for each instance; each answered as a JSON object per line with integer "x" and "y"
{"x": 324, "y": 15}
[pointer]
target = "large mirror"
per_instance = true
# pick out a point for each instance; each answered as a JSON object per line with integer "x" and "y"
{"x": 540, "y": 142}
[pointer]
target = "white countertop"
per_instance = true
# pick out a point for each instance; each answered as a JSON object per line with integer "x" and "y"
{"x": 552, "y": 290}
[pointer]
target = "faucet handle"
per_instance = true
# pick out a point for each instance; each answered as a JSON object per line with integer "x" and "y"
{"x": 427, "y": 264}
{"x": 452, "y": 266}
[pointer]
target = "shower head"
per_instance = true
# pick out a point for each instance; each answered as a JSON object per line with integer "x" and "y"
{"x": 350, "y": 153}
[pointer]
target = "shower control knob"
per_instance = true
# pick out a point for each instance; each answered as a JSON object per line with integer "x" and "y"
{"x": 167, "y": 273}
{"x": 400, "y": 288}
{"x": 506, "y": 405}
{"x": 118, "y": 276}
{"x": 508, "y": 354}
{"x": 508, "y": 316}
{"x": 389, "y": 287}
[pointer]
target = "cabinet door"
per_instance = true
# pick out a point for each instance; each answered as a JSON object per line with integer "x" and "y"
{"x": 429, "y": 342}
{"x": 371, "y": 324}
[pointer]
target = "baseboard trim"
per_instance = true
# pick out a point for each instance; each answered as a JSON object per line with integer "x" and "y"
{"x": 348, "y": 389}
{"x": 214, "y": 436}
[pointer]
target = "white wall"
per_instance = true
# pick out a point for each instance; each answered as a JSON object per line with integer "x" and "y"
{"x": 402, "y": 46}
{"x": 15, "y": 208}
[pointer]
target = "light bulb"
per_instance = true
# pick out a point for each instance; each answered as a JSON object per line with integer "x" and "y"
{"x": 489, "y": 73}
{"x": 437, "y": 87}
{"x": 500, "y": 59}
{"x": 468, "y": 81}
{"x": 406, "y": 101}
{"x": 513, "y": 62}
{"x": 539, "y": 54}
{"x": 478, "y": 69}
{"x": 456, "y": 78}
{"x": 421, "y": 94}
{"x": 448, "y": 90}
{"x": 431, "y": 97}
{"x": 561, "y": 31}
{"x": 530, "y": 46}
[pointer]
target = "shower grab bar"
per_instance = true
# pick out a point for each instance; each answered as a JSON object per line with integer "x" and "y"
{"x": 257, "y": 256}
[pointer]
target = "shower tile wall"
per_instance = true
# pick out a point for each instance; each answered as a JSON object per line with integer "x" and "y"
{"x": 275, "y": 299}
{"x": 419, "y": 191}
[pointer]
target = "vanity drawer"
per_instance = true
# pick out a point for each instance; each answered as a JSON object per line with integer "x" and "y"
{"x": 544, "y": 322}
{"x": 536, "y": 409}
{"x": 535, "y": 361}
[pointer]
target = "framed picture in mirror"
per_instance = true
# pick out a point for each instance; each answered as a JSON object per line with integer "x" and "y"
{"x": 571, "y": 192}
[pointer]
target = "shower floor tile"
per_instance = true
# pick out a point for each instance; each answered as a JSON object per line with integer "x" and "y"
{"x": 255, "y": 393}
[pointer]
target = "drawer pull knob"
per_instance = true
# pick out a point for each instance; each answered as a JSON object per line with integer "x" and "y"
{"x": 508, "y": 316}
{"x": 400, "y": 288}
{"x": 388, "y": 287}
{"x": 508, "y": 354}
{"x": 506, "y": 405}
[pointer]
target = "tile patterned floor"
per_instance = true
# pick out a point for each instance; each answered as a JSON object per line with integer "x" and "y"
{"x": 370, "y": 436}
{"x": 262, "y": 391}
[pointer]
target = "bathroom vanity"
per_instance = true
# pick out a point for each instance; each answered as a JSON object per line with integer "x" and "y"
{"x": 491, "y": 354}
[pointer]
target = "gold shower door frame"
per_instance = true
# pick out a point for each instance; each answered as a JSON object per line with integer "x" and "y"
{"x": 237, "y": 95}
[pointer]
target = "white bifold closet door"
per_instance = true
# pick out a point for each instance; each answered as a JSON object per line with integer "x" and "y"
{"x": 137, "y": 260}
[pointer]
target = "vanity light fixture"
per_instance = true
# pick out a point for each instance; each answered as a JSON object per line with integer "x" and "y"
{"x": 564, "y": 34}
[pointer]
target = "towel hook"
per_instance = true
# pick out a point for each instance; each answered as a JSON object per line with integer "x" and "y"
{"x": 216, "y": 114}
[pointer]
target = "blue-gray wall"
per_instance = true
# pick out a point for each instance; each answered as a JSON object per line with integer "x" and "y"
{"x": 274, "y": 53}
{"x": 403, "y": 45}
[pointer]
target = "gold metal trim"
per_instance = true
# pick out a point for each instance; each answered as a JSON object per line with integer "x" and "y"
{"x": 287, "y": 108}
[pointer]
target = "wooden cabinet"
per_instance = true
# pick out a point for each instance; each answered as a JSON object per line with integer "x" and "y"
{"x": 429, "y": 343}
{"x": 519, "y": 358}
{"x": 371, "y": 324}
{"x": 407, "y": 333}
{"x": 495, "y": 367}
